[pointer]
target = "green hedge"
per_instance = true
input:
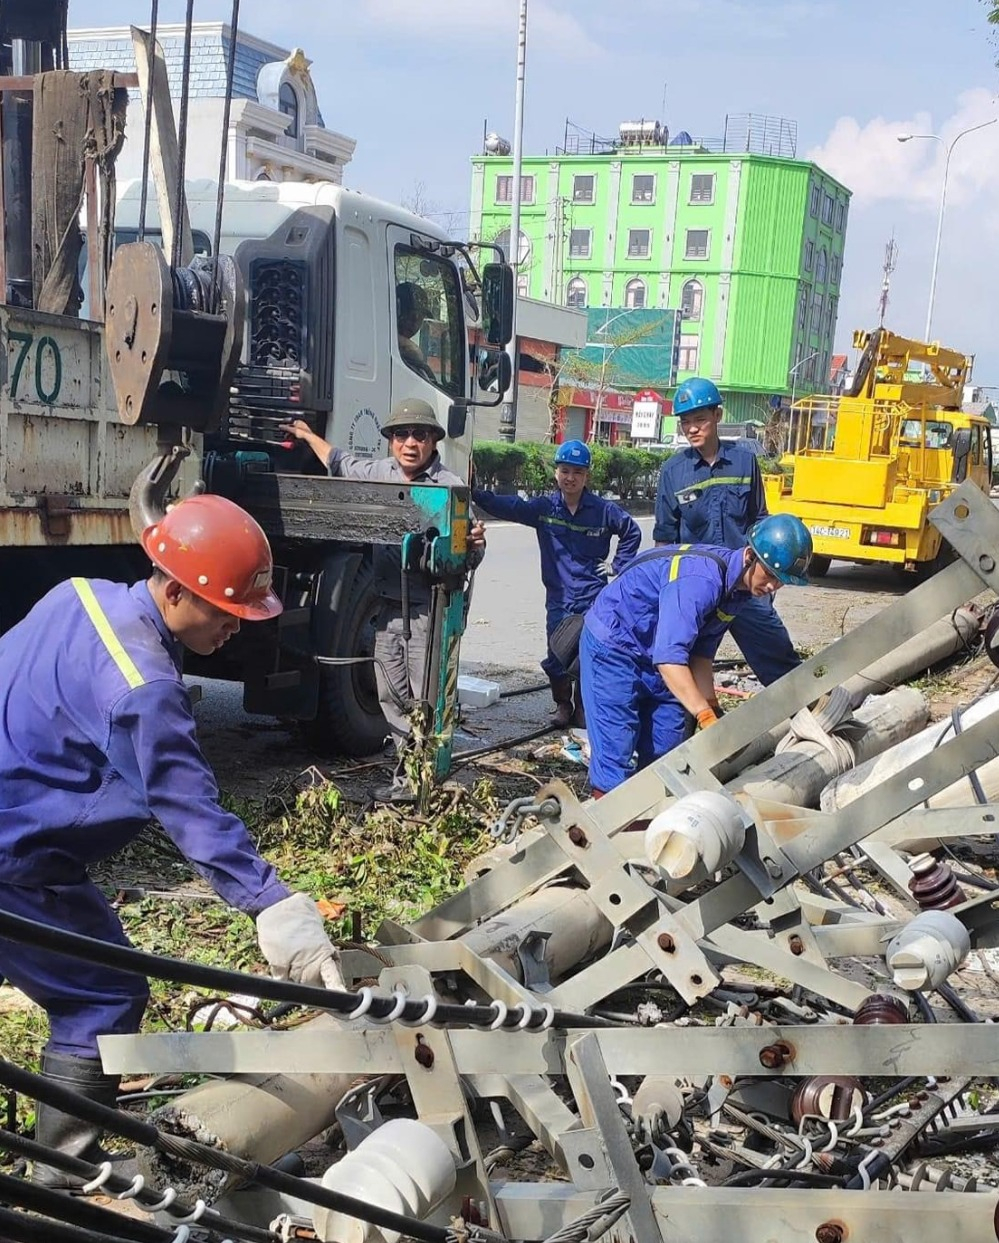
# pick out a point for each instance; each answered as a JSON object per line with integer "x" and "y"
{"x": 530, "y": 467}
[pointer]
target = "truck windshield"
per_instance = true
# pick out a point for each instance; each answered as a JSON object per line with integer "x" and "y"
{"x": 429, "y": 319}
{"x": 938, "y": 434}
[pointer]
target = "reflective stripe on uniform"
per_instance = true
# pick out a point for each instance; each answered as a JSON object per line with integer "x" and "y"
{"x": 107, "y": 635}
{"x": 732, "y": 480}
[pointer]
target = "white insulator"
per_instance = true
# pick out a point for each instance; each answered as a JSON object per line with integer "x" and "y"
{"x": 404, "y": 1167}
{"x": 658, "y": 1096}
{"x": 927, "y": 950}
{"x": 696, "y": 836}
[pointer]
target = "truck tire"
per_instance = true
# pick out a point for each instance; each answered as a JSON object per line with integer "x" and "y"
{"x": 926, "y": 569}
{"x": 818, "y": 567}
{"x": 349, "y": 719}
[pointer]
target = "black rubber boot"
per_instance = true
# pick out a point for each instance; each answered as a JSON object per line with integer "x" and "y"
{"x": 65, "y": 1132}
{"x": 562, "y": 694}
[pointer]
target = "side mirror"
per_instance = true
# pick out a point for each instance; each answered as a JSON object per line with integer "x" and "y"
{"x": 457, "y": 418}
{"x": 497, "y": 303}
{"x": 495, "y": 372}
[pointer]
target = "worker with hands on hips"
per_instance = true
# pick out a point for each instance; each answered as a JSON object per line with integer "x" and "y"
{"x": 649, "y": 641}
{"x": 712, "y": 493}
{"x": 574, "y": 530}
{"x": 97, "y": 737}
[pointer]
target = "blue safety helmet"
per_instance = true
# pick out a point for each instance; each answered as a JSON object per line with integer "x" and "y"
{"x": 573, "y": 453}
{"x": 783, "y": 544}
{"x": 695, "y": 394}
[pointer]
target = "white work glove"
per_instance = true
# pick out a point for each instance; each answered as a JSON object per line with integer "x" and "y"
{"x": 294, "y": 942}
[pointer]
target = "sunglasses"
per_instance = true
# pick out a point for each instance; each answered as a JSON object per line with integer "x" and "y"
{"x": 420, "y": 434}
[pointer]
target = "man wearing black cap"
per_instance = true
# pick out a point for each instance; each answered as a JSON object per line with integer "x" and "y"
{"x": 412, "y": 431}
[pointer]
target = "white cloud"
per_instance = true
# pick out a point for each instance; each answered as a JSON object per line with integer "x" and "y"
{"x": 870, "y": 161}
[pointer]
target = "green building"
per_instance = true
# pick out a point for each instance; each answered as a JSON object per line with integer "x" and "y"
{"x": 739, "y": 235}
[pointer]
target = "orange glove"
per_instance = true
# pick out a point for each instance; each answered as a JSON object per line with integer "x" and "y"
{"x": 706, "y": 717}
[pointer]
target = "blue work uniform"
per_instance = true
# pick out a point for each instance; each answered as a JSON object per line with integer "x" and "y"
{"x": 701, "y": 502}
{"x": 670, "y": 605}
{"x": 97, "y": 738}
{"x": 574, "y": 549}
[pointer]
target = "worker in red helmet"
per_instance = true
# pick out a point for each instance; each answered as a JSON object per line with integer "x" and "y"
{"x": 97, "y": 738}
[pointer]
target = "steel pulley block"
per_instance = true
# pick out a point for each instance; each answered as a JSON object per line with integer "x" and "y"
{"x": 173, "y": 336}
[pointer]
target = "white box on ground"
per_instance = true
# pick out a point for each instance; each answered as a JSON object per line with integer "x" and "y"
{"x": 477, "y": 692}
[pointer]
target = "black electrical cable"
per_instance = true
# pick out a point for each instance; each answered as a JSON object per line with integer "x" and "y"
{"x": 76, "y": 1212}
{"x": 230, "y": 72}
{"x": 924, "y": 1008}
{"x": 784, "y": 1174}
{"x": 18, "y": 1228}
{"x": 524, "y": 690}
{"x": 137, "y": 962}
{"x": 144, "y": 188}
{"x": 118, "y": 1123}
{"x": 960, "y": 1008}
{"x": 86, "y": 1171}
{"x": 185, "y": 99}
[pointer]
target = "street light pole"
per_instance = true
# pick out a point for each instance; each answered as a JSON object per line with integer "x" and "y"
{"x": 794, "y": 370}
{"x": 943, "y": 203}
{"x": 508, "y": 410}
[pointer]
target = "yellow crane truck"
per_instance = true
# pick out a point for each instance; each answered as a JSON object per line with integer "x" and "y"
{"x": 863, "y": 471}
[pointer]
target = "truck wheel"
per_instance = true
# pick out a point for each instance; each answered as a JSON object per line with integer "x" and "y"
{"x": 349, "y": 719}
{"x": 818, "y": 567}
{"x": 926, "y": 569}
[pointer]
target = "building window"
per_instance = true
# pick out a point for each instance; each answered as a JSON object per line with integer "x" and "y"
{"x": 523, "y": 285}
{"x": 809, "y": 254}
{"x": 696, "y": 246}
{"x": 504, "y": 189}
{"x": 702, "y": 188}
{"x": 816, "y": 201}
{"x": 689, "y": 350}
{"x": 575, "y": 292}
{"x": 821, "y": 267}
{"x": 634, "y": 294}
{"x": 831, "y": 308}
{"x": 802, "y": 310}
{"x": 835, "y": 267}
{"x": 692, "y": 300}
{"x": 643, "y": 188}
{"x": 288, "y": 105}
{"x": 580, "y": 242}
{"x": 639, "y": 243}
{"x": 583, "y": 187}
{"x": 828, "y": 204}
{"x": 816, "y": 325}
{"x": 840, "y": 217}
{"x": 503, "y": 241}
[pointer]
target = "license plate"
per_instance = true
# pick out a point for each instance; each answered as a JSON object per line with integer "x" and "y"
{"x": 831, "y": 532}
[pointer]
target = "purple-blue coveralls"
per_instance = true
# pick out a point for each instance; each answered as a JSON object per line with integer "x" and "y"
{"x": 670, "y": 604}
{"x": 573, "y": 546}
{"x": 701, "y": 502}
{"x": 97, "y": 737}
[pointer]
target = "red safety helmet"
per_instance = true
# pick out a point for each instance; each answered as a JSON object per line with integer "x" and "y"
{"x": 217, "y": 551}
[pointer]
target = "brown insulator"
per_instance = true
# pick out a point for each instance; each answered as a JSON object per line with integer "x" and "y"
{"x": 934, "y": 885}
{"x": 880, "y": 1008}
{"x": 828, "y": 1096}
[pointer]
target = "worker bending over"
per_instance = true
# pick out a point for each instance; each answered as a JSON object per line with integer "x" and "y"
{"x": 649, "y": 641}
{"x": 574, "y": 530}
{"x": 97, "y": 738}
{"x": 712, "y": 493}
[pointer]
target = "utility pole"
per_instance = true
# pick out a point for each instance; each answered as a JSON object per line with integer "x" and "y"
{"x": 508, "y": 410}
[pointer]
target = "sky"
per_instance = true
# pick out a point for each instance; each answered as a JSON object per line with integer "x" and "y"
{"x": 416, "y": 82}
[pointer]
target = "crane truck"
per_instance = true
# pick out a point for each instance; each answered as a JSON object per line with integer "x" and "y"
{"x": 865, "y": 470}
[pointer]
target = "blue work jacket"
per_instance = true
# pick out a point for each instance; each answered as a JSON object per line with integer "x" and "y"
{"x": 671, "y": 604}
{"x": 574, "y": 546}
{"x": 702, "y": 503}
{"x": 97, "y": 737}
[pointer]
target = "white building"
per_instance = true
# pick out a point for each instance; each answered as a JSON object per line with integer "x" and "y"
{"x": 276, "y": 131}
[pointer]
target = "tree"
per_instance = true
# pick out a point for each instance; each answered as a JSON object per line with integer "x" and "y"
{"x": 420, "y": 204}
